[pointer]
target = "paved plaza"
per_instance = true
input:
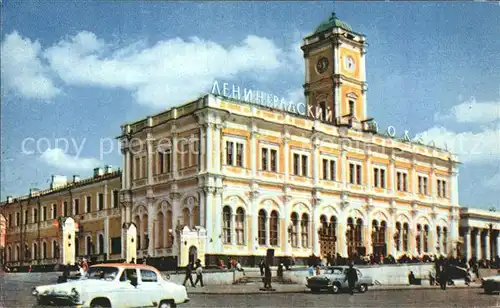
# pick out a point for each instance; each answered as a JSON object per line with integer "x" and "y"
{"x": 15, "y": 293}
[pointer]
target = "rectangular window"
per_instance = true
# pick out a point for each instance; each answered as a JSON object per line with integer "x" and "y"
{"x": 88, "y": 205}
{"x": 304, "y": 166}
{"x": 77, "y": 206}
{"x": 351, "y": 173}
{"x": 168, "y": 161}
{"x": 382, "y": 178}
{"x": 229, "y": 153}
{"x": 405, "y": 182}
{"x": 137, "y": 168}
{"x": 376, "y": 177}
{"x": 444, "y": 188}
{"x": 161, "y": 162}
{"x": 402, "y": 181}
{"x": 398, "y": 181}
{"x": 25, "y": 217}
{"x": 379, "y": 177}
{"x": 65, "y": 209}
{"x": 101, "y": 201}
{"x": 274, "y": 161}
{"x": 44, "y": 213}
{"x": 116, "y": 198}
{"x": 355, "y": 174}
{"x": 35, "y": 215}
{"x": 54, "y": 211}
{"x": 333, "y": 170}
{"x": 358, "y": 175}
{"x": 10, "y": 220}
{"x": 239, "y": 154}
{"x": 116, "y": 245}
{"x": 420, "y": 184}
{"x": 18, "y": 219}
{"x": 264, "y": 159}
{"x": 296, "y": 164}
{"x": 143, "y": 167}
{"x": 325, "y": 169}
{"x": 426, "y": 190}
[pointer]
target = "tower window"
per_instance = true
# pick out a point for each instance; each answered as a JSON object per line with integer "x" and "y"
{"x": 322, "y": 107}
{"x": 351, "y": 108}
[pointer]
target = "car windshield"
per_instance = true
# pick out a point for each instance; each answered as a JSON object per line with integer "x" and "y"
{"x": 335, "y": 270}
{"x": 104, "y": 272}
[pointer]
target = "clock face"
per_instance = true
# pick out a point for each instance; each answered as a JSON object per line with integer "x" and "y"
{"x": 322, "y": 65}
{"x": 349, "y": 63}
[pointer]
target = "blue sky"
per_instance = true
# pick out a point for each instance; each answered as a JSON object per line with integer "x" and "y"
{"x": 79, "y": 70}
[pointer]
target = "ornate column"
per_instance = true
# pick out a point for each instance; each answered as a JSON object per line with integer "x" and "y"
{"x": 211, "y": 231}
{"x": 218, "y": 218}
{"x": 176, "y": 222}
{"x": 128, "y": 174}
{"x": 233, "y": 228}
{"x": 498, "y": 244}
{"x": 150, "y": 162}
{"x": 478, "y": 244}
{"x": 254, "y": 221}
{"x": 125, "y": 170}
{"x": 217, "y": 151}
{"x": 175, "y": 152}
{"x": 345, "y": 173}
{"x": 401, "y": 239}
{"x": 209, "y": 147}
{"x": 486, "y": 253}
{"x": 315, "y": 161}
{"x": 392, "y": 173}
{"x": 203, "y": 208}
{"x": 288, "y": 248}
{"x": 268, "y": 229}
{"x": 414, "y": 178}
{"x": 253, "y": 150}
{"x": 468, "y": 244}
{"x": 150, "y": 222}
{"x": 201, "y": 148}
{"x": 299, "y": 232}
{"x": 286, "y": 154}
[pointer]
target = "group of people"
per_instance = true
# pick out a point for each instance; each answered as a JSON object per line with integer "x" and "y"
{"x": 198, "y": 269}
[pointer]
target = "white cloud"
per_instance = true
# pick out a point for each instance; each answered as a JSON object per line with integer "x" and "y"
{"x": 494, "y": 182}
{"x": 56, "y": 157}
{"x": 296, "y": 96}
{"x": 472, "y": 112}
{"x": 22, "y": 71}
{"x": 480, "y": 147}
{"x": 167, "y": 73}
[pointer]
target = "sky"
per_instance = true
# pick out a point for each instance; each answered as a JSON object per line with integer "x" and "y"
{"x": 73, "y": 72}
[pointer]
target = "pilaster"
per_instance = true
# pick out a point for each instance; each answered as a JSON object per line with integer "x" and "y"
{"x": 468, "y": 244}
{"x": 175, "y": 153}
{"x": 150, "y": 161}
{"x": 150, "y": 222}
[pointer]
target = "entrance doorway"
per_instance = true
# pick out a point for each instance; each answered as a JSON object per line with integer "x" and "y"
{"x": 193, "y": 254}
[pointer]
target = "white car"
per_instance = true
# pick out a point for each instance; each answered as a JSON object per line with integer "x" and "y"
{"x": 490, "y": 284}
{"x": 115, "y": 285}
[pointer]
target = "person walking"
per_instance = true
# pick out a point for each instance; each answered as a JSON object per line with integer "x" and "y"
{"x": 267, "y": 277}
{"x": 443, "y": 277}
{"x": 199, "y": 273}
{"x": 189, "y": 274}
{"x": 261, "y": 266}
{"x": 351, "y": 277}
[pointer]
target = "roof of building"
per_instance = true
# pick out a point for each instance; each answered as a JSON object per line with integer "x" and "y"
{"x": 332, "y": 22}
{"x": 69, "y": 185}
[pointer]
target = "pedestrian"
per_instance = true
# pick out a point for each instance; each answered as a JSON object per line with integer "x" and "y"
{"x": 132, "y": 261}
{"x": 311, "y": 271}
{"x": 443, "y": 277}
{"x": 268, "y": 276}
{"x": 318, "y": 270}
{"x": 261, "y": 266}
{"x": 468, "y": 278}
{"x": 199, "y": 273}
{"x": 239, "y": 268}
{"x": 351, "y": 277}
{"x": 189, "y": 273}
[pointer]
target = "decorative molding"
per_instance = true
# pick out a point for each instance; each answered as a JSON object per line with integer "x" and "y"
{"x": 175, "y": 196}
{"x": 209, "y": 189}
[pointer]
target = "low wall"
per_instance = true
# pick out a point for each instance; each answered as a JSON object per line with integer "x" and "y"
{"x": 389, "y": 274}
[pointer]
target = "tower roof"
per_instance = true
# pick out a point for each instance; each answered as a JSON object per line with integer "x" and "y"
{"x": 332, "y": 22}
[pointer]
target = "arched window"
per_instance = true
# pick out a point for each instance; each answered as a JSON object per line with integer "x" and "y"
{"x": 332, "y": 227}
{"x": 419, "y": 238}
{"x": 359, "y": 233}
{"x": 274, "y": 228}
{"x": 324, "y": 225}
{"x": 89, "y": 245}
{"x": 445, "y": 240}
{"x": 438, "y": 238}
{"x": 406, "y": 230}
{"x": 185, "y": 216}
{"x": 397, "y": 236}
{"x": 295, "y": 226}
{"x": 35, "y": 251}
{"x": 304, "y": 223}
{"x": 196, "y": 216}
{"x": 101, "y": 244}
{"x": 44, "y": 250}
{"x": 9, "y": 253}
{"x": 170, "y": 234}
{"x": 322, "y": 107}
{"x": 160, "y": 230}
{"x": 55, "y": 249}
{"x": 426, "y": 238}
{"x": 381, "y": 232}
{"x": 226, "y": 218}
{"x": 262, "y": 227}
{"x": 138, "y": 227}
{"x": 18, "y": 255}
{"x": 77, "y": 246}
{"x": 240, "y": 226}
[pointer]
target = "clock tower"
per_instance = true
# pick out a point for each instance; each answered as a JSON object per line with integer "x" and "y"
{"x": 335, "y": 81}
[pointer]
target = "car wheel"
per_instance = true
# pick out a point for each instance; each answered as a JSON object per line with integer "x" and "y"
{"x": 166, "y": 304}
{"x": 335, "y": 289}
{"x": 362, "y": 288}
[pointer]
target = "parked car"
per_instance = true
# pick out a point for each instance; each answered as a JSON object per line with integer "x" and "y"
{"x": 490, "y": 284}
{"x": 333, "y": 280}
{"x": 115, "y": 285}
